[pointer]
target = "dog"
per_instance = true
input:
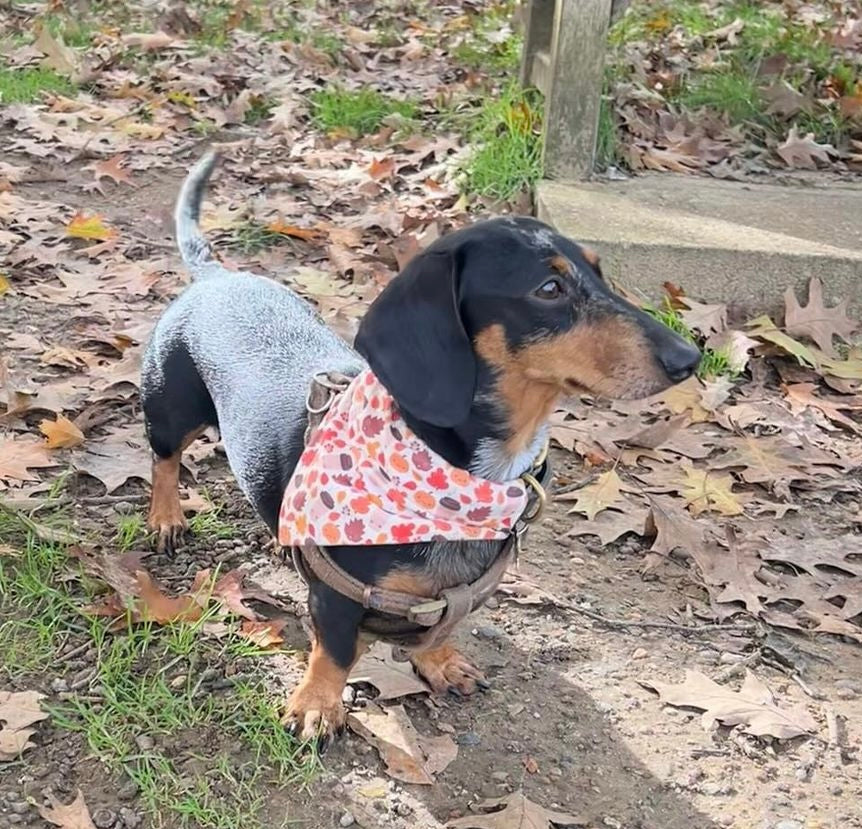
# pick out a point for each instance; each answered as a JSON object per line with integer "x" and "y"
{"x": 476, "y": 340}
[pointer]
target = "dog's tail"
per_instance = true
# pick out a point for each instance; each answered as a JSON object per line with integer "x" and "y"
{"x": 194, "y": 249}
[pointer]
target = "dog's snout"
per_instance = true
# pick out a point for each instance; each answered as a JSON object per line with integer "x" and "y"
{"x": 679, "y": 359}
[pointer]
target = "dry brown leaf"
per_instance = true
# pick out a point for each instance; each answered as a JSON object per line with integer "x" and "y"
{"x": 381, "y": 168}
{"x": 118, "y": 571}
{"x": 155, "y": 606}
{"x": 765, "y": 460}
{"x": 265, "y": 635}
{"x": 704, "y": 490}
{"x": 752, "y": 707}
{"x": 708, "y": 319}
{"x": 765, "y": 329}
{"x": 815, "y": 320}
{"x": 735, "y": 345}
{"x": 149, "y": 41}
{"x": 19, "y": 455}
{"x": 18, "y": 711}
{"x": 409, "y": 756}
{"x": 802, "y": 395}
{"x": 307, "y": 233}
{"x": 61, "y": 433}
{"x": 803, "y": 152}
{"x": 523, "y": 591}
{"x": 111, "y": 168}
{"x": 515, "y": 812}
{"x": 75, "y": 815}
{"x": 612, "y": 524}
{"x": 392, "y": 679}
{"x": 597, "y": 496}
{"x": 58, "y": 56}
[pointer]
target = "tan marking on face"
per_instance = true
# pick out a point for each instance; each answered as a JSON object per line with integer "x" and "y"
{"x": 590, "y": 255}
{"x": 561, "y": 265}
{"x": 608, "y": 358}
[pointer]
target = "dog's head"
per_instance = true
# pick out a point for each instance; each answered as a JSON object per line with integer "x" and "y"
{"x": 516, "y": 301}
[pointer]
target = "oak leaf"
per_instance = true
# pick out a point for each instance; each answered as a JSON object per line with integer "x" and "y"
{"x": 61, "y": 433}
{"x": 752, "y": 707}
{"x": 409, "y": 756}
{"x": 392, "y": 679}
{"x": 74, "y": 815}
{"x": 815, "y": 320}
{"x": 18, "y": 711}
{"x": 111, "y": 168}
{"x": 515, "y": 812}
{"x": 155, "y": 606}
{"x": 704, "y": 491}
{"x": 801, "y": 396}
{"x": 764, "y": 460}
{"x": 18, "y": 456}
{"x": 612, "y": 524}
{"x": 803, "y": 152}
{"x": 707, "y": 319}
{"x": 765, "y": 329}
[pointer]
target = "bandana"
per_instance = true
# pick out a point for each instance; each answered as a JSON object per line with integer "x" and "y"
{"x": 365, "y": 478}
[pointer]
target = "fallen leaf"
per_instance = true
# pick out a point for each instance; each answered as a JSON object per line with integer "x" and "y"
{"x": 118, "y": 571}
{"x": 704, "y": 490}
{"x": 753, "y": 706}
{"x": 279, "y": 226}
{"x": 409, "y": 756}
{"x": 707, "y": 319}
{"x": 18, "y": 456}
{"x": 61, "y": 433}
{"x": 155, "y": 606}
{"x": 18, "y": 711}
{"x": 392, "y": 679}
{"x": 815, "y": 320}
{"x": 149, "y": 41}
{"x": 784, "y": 101}
{"x": 111, "y": 168}
{"x": 765, "y": 329}
{"x": 265, "y": 635}
{"x": 75, "y": 815}
{"x": 803, "y": 152}
{"x": 801, "y": 396}
{"x": 89, "y": 227}
{"x": 764, "y": 460}
{"x": 597, "y": 496}
{"x": 515, "y": 812}
{"x": 613, "y": 524}
{"x": 523, "y": 591}
{"x": 58, "y": 56}
{"x": 736, "y": 346}
{"x": 381, "y": 168}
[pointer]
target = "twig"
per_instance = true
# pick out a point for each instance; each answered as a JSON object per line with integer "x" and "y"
{"x": 738, "y": 667}
{"x": 709, "y": 752}
{"x": 804, "y": 686}
{"x": 74, "y": 652}
{"x": 19, "y": 505}
{"x": 835, "y": 727}
{"x": 624, "y": 623}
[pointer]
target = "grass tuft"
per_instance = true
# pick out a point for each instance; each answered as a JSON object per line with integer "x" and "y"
{"x": 355, "y": 112}
{"x": 24, "y": 86}
{"x": 508, "y": 159}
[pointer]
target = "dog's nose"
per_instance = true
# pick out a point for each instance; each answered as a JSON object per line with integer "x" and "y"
{"x": 679, "y": 359}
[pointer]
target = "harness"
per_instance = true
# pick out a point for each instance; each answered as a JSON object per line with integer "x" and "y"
{"x": 409, "y": 621}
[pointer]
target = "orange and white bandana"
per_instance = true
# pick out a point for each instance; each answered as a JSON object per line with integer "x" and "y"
{"x": 365, "y": 478}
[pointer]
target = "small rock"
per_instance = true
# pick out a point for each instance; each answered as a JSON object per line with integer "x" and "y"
{"x": 845, "y": 693}
{"x": 59, "y": 685}
{"x": 145, "y": 742}
{"x": 403, "y": 809}
{"x": 20, "y": 808}
{"x": 848, "y": 684}
{"x": 837, "y": 791}
{"x": 348, "y": 695}
{"x": 14, "y": 819}
{"x": 789, "y": 824}
{"x": 178, "y": 681}
{"x": 640, "y": 653}
{"x": 489, "y": 632}
{"x": 124, "y": 508}
{"x": 104, "y": 818}
{"x": 499, "y": 776}
{"x": 128, "y": 791}
{"x": 728, "y": 658}
{"x": 347, "y": 820}
{"x": 132, "y": 820}
{"x": 470, "y": 738}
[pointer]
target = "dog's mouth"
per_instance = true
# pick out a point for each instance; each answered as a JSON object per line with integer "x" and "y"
{"x": 637, "y": 389}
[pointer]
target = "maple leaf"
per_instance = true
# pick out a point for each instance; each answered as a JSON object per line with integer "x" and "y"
{"x": 18, "y": 711}
{"x": 816, "y": 321}
{"x": 74, "y": 815}
{"x": 752, "y": 707}
{"x": 803, "y": 152}
{"x": 612, "y": 524}
{"x": 18, "y": 456}
{"x": 514, "y": 811}
{"x": 597, "y": 496}
{"x": 784, "y": 101}
{"x": 704, "y": 490}
{"x": 61, "y": 433}
{"x": 90, "y": 227}
{"x": 391, "y": 679}
{"x": 409, "y": 756}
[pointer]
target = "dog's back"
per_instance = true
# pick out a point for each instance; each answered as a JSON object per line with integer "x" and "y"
{"x": 236, "y": 351}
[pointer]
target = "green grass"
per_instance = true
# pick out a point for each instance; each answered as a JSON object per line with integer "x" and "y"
{"x": 356, "y": 112}
{"x": 607, "y": 140}
{"x": 200, "y": 757}
{"x": 210, "y": 524}
{"x": 24, "y": 86}
{"x": 734, "y": 94}
{"x": 508, "y": 155}
{"x": 74, "y": 31}
{"x": 131, "y": 529}
{"x": 713, "y": 362}
{"x": 260, "y": 109}
{"x": 251, "y": 237}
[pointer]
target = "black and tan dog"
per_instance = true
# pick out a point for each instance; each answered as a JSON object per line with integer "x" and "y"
{"x": 476, "y": 341}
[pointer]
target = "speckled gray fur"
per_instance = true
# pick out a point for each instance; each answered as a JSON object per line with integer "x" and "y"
{"x": 256, "y": 346}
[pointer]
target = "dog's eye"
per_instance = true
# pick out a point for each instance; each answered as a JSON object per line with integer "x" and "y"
{"x": 552, "y": 289}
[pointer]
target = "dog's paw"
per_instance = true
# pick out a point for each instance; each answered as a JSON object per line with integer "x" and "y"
{"x": 314, "y": 711}
{"x": 169, "y": 530}
{"x": 445, "y": 669}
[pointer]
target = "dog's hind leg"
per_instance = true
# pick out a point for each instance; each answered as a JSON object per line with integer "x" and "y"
{"x": 177, "y": 409}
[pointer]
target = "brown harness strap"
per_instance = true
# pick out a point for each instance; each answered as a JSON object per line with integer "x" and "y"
{"x": 428, "y": 621}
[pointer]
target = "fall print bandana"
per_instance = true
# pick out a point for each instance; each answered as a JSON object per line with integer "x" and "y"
{"x": 365, "y": 478}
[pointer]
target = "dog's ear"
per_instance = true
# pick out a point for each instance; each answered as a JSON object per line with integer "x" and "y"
{"x": 414, "y": 339}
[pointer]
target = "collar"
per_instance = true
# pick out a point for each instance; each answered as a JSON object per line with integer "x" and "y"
{"x": 365, "y": 478}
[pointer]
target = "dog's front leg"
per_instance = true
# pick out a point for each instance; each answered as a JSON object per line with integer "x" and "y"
{"x": 444, "y": 668}
{"x": 315, "y": 708}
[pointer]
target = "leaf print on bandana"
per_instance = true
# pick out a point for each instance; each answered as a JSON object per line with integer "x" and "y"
{"x": 354, "y": 530}
{"x": 403, "y": 533}
{"x": 479, "y": 514}
{"x": 438, "y": 479}
{"x": 372, "y": 426}
{"x": 484, "y": 492}
{"x": 422, "y": 460}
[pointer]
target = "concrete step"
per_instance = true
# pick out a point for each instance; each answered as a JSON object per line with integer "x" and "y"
{"x": 721, "y": 241}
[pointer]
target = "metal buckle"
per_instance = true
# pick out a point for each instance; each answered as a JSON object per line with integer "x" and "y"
{"x": 424, "y": 608}
{"x": 541, "y": 499}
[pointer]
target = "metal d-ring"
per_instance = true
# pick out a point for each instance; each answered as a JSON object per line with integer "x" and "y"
{"x": 541, "y": 498}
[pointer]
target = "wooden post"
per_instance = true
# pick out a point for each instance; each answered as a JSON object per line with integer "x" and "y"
{"x": 574, "y": 89}
{"x": 538, "y": 34}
